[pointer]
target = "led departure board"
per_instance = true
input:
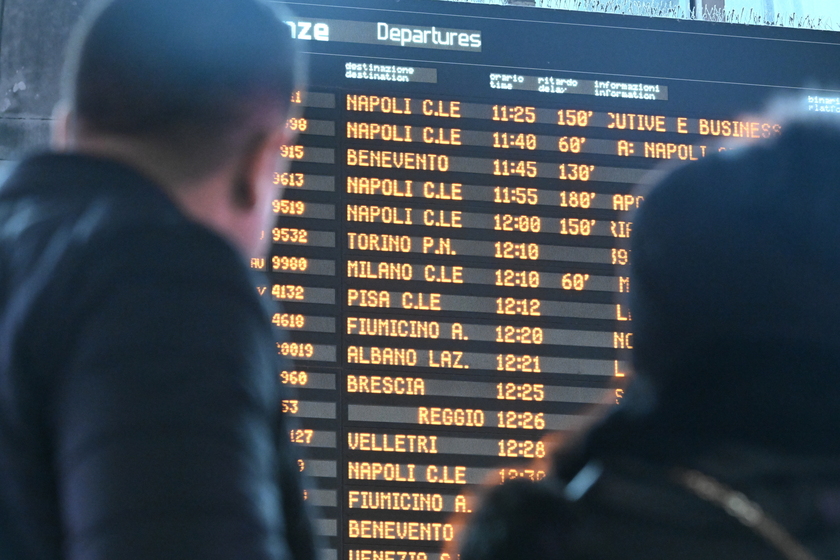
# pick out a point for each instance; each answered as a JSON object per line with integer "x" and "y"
{"x": 452, "y": 243}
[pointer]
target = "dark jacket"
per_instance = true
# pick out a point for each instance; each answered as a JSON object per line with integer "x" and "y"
{"x": 139, "y": 398}
{"x": 630, "y": 508}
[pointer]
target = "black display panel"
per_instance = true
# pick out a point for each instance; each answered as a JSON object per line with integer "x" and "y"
{"x": 452, "y": 244}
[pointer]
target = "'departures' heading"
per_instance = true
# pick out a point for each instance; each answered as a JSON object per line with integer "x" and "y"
{"x": 382, "y": 33}
{"x": 432, "y": 37}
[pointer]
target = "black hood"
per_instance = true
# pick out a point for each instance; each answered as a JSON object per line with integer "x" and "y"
{"x": 735, "y": 301}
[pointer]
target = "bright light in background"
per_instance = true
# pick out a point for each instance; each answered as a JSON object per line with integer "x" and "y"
{"x": 818, "y": 14}
{"x": 825, "y": 9}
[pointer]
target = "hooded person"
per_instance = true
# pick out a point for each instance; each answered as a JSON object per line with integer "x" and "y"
{"x": 725, "y": 445}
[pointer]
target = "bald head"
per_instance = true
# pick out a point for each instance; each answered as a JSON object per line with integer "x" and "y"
{"x": 195, "y": 81}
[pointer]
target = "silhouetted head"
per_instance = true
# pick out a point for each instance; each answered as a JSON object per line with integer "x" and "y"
{"x": 734, "y": 296}
{"x": 200, "y": 76}
{"x": 183, "y": 89}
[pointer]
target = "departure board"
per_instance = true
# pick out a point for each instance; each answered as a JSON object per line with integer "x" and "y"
{"x": 452, "y": 245}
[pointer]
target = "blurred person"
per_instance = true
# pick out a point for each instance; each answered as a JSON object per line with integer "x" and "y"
{"x": 139, "y": 397}
{"x": 726, "y": 444}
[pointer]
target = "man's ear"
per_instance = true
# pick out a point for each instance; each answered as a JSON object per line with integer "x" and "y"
{"x": 257, "y": 168}
{"x": 62, "y": 126}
